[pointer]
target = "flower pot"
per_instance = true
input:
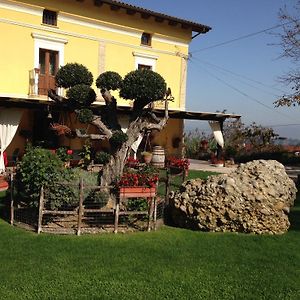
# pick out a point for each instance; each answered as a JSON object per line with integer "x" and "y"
{"x": 147, "y": 158}
{"x": 137, "y": 192}
{"x": 3, "y": 184}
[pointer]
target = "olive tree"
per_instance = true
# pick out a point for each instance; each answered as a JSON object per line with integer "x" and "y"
{"x": 143, "y": 87}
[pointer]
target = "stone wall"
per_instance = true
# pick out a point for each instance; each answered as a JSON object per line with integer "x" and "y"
{"x": 255, "y": 198}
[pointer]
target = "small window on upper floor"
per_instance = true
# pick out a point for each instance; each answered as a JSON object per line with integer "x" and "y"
{"x": 146, "y": 39}
{"x": 50, "y": 17}
{"x": 144, "y": 67}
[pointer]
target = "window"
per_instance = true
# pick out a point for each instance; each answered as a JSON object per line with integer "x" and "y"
{"x": 50, "y": 17}
{"x": 146, "y": 39}
{"x": 144, "y": 67}
{"x": 144, "y": 61}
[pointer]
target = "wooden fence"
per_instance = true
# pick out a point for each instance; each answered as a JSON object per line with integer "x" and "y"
{"x": 156, "y": 207}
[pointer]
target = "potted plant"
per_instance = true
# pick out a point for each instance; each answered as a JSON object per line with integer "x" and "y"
{"x": 138, "y": 183}
{"x": 178, "y": 165}
{"x": 132, "y": 162}
{"x": 147, "y": 157}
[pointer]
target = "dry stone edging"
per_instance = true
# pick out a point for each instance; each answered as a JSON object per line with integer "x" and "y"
{"x": 255, "y": 198}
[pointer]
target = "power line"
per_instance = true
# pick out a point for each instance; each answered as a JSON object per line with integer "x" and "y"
{"x": 244, "y": 94}
{"x": 243, "y": 37}
{"x": 242, "y": 76}
{"x": 282, "y": 125}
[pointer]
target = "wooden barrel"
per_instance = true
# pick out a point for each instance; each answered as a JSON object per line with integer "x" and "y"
{"x": 158, "y": 158}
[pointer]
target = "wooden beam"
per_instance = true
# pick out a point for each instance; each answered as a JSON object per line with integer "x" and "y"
{"x": 185, "y": 26}
{"x": 145, "y": 16}
{"x": 114, "y": 7}
{"x": 98, "y": 3}
{"x": 172, "y": 23}
{"x": 130, "y": 12}
{"x": 159, "y": 19}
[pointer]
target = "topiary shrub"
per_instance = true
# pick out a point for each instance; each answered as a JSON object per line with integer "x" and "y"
{"x": 117, "y": 139}
{"x": 81, "y": 95}
{"x": 73, "y": 74}
{"x": 143, "y": 84}
{"x": 85, "y": 115}
{"x": 109, "y": 80}
{"x": 102, "y": 157}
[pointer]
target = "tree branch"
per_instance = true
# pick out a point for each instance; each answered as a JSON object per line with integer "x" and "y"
{"x": 91, "y": 136}
{"x": 58, "y": 99}
{"x": 101, "y": 126}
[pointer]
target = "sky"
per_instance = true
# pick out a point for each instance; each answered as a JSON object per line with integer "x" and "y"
{"x": 243, "y": 76}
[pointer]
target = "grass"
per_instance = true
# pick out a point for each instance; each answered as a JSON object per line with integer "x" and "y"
{"x": 171, "y": 263}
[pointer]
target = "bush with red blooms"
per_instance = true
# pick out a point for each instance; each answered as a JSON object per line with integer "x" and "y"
{"x": 132, "y": 162}
{"x": 146, "y": 176}
{"x": 180, "y": 163}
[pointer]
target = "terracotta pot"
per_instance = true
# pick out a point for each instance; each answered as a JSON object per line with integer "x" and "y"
{"x": 137, "y": 191}
{"x": 147, "y": 158}
{"x": 3, "y": 184}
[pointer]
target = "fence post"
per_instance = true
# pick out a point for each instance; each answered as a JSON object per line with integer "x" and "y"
{"x": 117, "y": 210}
{"x": 80, "y": 210}
{"x": 41, "y": 208}
{"x": 150, "y": 212}
{"x": 167, "y": 190}
{"x": 12, "y": 214}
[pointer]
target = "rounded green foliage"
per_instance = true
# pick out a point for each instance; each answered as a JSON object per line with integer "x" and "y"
{"x": 63, "y": 154}
{"x": 117, "y": 139}
{"x": 72, "y": 74}
{"x": 85, "y": 115}
{"x": 81, "y": 95}
{"x": 102, "y": 157}
{"x": 109, "y": 80}
{"x": 143, "y": 84}
{"x": 38, "y": 167}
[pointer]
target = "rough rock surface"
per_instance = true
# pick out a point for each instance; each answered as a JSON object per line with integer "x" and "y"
{"x": 256, "y": 198}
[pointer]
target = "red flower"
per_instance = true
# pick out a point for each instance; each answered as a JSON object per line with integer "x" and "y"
{"x": 182, "y": 163}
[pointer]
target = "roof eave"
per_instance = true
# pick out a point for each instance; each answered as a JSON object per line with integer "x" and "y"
{"x": 159, "y": 17}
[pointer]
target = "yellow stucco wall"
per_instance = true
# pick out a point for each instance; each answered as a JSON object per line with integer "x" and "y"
{"x": 84, "y": 27}
{"x": 101, "y": 39}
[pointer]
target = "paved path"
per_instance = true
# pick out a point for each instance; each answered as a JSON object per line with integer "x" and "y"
{"x": 292, "y": 171}
{"x": 207, "y": 166}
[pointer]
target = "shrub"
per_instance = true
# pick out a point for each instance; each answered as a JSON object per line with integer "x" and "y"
{"x": 143, "y": 84}
{"x": 85, "y": 115}
{"x": 73, "y": 74}
{"x": 102, "y": 157}
{"x": 192, "y": 141}
{"x": 117, "y": 139}
{"x": 40, "y": 167}
{"x": 64, "y": 154}
{"x": 109, "y": 80}
{"x": 81, "y": 95}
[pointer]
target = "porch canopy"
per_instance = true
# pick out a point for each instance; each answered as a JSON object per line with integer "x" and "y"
{"x": 215, "y": 119}
{"x": 189, "y": 115}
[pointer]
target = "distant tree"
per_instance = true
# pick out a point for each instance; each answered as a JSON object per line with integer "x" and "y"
{"x": 236, "y": 134}
{"x": 290, "y": 43}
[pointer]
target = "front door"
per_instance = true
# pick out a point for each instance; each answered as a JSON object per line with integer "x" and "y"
{"x": 48, "y": 63}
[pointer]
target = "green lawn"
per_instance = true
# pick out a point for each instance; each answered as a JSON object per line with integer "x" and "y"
{"x": 171, "y": 263}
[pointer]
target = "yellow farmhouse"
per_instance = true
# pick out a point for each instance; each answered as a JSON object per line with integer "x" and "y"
{"x": 38, "y": 36}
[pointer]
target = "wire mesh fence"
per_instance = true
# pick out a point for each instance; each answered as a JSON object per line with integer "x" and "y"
{"x": 83, "y": 209}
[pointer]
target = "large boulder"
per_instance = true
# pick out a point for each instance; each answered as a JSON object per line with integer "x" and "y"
{"x": 256, "y": 198}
